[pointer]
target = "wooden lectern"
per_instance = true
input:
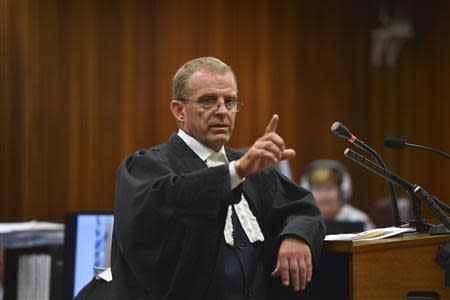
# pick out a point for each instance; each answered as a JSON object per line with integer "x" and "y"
{"x": 390, "y": 268}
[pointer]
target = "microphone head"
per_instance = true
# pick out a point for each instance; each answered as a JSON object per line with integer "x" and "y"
{"x": 394, "y": 143}
{"x": 340, "y": 130}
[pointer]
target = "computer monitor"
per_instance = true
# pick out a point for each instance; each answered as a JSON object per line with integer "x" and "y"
{"x": 87, "y": 243}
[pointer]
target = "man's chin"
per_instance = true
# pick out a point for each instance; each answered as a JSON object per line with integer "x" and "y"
{"x": 218, "y": 140}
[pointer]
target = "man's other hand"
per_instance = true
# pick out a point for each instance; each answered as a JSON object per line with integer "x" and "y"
{"x": 294, "y": 263}
{"x": 265, "y": 152}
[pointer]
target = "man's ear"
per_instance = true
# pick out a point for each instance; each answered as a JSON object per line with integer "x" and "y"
{"x": 178, "y": 111}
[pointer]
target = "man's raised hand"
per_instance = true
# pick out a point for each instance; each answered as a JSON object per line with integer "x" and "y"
{"x": 265, "y": 152}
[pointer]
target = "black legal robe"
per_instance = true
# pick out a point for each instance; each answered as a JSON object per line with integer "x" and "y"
{"x": 170, "y": 214}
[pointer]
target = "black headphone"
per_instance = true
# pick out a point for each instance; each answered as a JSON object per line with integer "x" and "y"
{"x": 346, "y": 183}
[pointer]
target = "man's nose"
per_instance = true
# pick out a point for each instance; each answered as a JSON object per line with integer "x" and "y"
{"x": 221, "y": 107}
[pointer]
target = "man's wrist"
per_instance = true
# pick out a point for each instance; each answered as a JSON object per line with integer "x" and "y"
{"x": 238, "y": 168}
{"x": 235, "y": 180}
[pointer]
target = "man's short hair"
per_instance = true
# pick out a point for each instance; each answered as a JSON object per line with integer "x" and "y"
{"x": 322, "y": 175}
{"x": 183, "y": 73}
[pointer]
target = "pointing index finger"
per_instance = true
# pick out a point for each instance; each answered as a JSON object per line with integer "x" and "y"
{"x": 273, "y": 125}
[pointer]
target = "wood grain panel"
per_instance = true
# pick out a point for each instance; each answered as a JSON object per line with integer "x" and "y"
{"x": 371, "y": 280}
{"x": 83, "y": 83}
{"x": 412, "y": 102}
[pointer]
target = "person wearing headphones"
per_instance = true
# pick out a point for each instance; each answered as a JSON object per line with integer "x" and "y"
{"x": 331, "y": 185}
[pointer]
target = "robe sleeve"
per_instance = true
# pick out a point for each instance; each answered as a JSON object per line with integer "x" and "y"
{"x": 165, "y": 223}
{"x": 295, "y": 210}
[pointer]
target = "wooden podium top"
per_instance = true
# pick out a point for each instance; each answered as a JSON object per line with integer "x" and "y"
{"x": 391, "y": 268}
{"x": 406, "y": 240}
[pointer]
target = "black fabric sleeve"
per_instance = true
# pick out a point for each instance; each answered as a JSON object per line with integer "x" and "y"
{"x": 296, "y": 210}
{"x": 153, "y": 185}
{"x": 168, "y": 224}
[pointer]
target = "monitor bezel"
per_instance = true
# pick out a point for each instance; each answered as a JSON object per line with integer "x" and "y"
{"x": 70, "y": 246}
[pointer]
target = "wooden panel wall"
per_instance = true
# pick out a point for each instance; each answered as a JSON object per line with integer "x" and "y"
{"x": 83, "y": 83}
{"x": 412, "y": 101}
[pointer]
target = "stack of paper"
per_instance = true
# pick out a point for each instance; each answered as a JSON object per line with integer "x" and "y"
{"x": 372, "y": 234}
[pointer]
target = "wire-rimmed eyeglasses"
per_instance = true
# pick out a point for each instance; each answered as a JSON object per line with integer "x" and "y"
{"x": 231, "y": 104}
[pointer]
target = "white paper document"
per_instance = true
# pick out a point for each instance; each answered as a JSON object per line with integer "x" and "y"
{"x": 369, "y": 235}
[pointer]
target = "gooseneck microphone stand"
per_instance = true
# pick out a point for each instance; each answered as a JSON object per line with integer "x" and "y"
{"x": 438, "y": 207}
{"x": 398, "y": 144}
{"x": 340, "y": 130}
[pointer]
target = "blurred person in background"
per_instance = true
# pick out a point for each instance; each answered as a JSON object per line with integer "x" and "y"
{"x": 383, "y": 212}
{"x": 331, "y": 185}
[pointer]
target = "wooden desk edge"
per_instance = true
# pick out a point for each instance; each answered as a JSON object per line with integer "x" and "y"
{"x": 407, "y": 240}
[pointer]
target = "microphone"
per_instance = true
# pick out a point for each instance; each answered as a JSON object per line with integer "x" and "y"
{"x": 340, "y": 130}
{"x": 397, "y": 143}
{"x": 413, "y": 189}
{"x": 394, "y": 143}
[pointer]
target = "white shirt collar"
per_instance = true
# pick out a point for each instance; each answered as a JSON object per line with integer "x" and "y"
{"x": 201, "y": 150}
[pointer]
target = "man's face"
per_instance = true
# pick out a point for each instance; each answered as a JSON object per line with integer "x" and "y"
{"x": 327, "y": 196}
{"x": 212, "y": 127}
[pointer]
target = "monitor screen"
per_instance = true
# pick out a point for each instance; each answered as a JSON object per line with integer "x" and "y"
{"x": 87, "y": 244}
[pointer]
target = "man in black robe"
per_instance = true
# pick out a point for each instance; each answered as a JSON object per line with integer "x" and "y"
{"x": 197, "y": 220}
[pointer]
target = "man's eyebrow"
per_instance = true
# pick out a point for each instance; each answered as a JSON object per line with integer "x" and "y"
{"x": 211, "y": 94}
{"x": 208, "y": 94}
